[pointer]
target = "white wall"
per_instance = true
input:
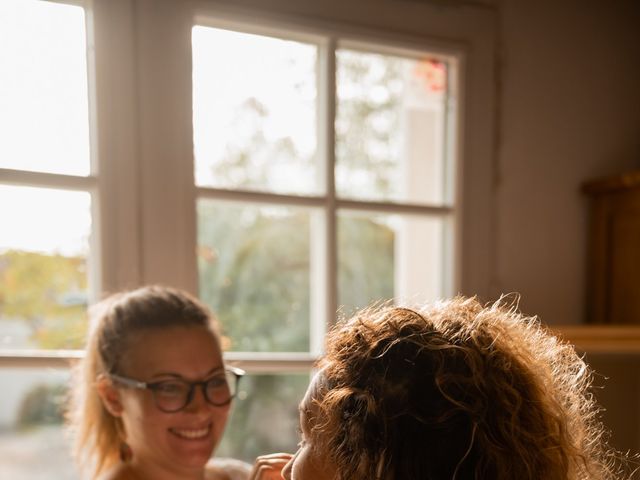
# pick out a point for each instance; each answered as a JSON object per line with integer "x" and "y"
{"x": 570, "y": 112}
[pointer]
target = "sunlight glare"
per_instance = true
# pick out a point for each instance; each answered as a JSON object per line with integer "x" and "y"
{"x": 44, "y": 113}
{"x": 46, "y": 221}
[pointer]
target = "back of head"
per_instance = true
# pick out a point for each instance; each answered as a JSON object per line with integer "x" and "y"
{"x": 114, "y": 321}
{"x": 456, "y": 391}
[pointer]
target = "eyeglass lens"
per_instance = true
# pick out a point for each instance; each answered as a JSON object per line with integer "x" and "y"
{"x": 174, "y": 395}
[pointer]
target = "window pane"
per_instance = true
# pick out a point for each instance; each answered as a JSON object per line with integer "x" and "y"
{"x": 381, "y": 257}
{"x": 44, "y": 245}
{"x": 390, "y": 128}
{"x": 44, "y": 112}
{"x": 253, "y": 265}
{"x": 265, "y": 417}
{"x": 254, "y": 112}
{"x": 33, "y": 444}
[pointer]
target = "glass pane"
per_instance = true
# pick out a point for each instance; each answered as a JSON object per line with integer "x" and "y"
{"x": 44, "y": 111}
{"x": 44, "y": 245}
{"x": 390, "y": 128}
{"x": 254, "y": 112}
{"x": 265, "y": 417}
{"x": 33, "y": 443}
{"x": 253, "y": 265}
{"x": 383, "y": 257}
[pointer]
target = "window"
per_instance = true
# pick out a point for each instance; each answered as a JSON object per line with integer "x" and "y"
{"x": 48, "y": 193}
{"x": 280, "y": 167}
{"x": 324, "y": 179}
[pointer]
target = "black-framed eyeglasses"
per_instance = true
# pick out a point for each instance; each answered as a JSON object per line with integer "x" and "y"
{"x": 173, "y": 395}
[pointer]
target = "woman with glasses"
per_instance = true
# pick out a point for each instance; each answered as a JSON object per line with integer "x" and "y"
{"x": 455, "y": 391}
{"x": 153, "y": 393}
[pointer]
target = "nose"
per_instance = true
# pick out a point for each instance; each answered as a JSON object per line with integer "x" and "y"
{"x": 197, "y": 401}
{"x": 286, "y": 471}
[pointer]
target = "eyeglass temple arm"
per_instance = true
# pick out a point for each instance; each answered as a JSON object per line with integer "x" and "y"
{"x": 128, "y": 381}
{"x": 235, "y": 370}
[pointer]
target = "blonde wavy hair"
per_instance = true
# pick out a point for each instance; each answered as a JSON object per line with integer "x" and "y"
{"x": 98, "y": 436}
{"x": 457, "y": 391}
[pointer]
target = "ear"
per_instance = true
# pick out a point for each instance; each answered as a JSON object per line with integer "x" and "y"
{"x": 109, "y": 395}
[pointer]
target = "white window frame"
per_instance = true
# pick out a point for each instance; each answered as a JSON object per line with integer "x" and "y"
{"x": 324, "y": 256}
{"x": 142, "y": 136}
{"x": 115, "y": 237}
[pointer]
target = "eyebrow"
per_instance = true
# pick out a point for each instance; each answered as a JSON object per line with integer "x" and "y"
{"x": 177, "y": 375}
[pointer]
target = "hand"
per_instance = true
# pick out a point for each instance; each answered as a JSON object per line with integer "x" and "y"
{"x": 269, "y": 467}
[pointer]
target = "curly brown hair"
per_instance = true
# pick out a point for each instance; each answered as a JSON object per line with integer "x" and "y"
{"x": 456, "y": 391}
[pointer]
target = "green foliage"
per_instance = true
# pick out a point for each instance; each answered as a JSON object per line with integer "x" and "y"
{"x": 254, "y": 272}
{"x": 43, "y": 405}
{"x": 365, "y": 262}
{"x": 266, "y": 419}
{"x": 250, "y": 160}
{"x": 368, "y": 118}
{"x": 39, "y": 289}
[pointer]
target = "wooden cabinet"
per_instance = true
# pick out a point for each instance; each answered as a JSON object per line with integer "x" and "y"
{"x": 613, "y": 273}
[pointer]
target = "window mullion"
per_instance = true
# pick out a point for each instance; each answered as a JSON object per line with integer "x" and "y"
{"x": 454, "y": 188}
{"x": 328, "y": 72}
{"x": 167, "y": 186}
{"x": 114, "y": 114}
{"x": 323, "y": 232}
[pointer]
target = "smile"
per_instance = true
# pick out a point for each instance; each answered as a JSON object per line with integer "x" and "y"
{"x": 191, "y": 434}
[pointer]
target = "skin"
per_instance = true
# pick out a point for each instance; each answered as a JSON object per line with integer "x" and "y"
{"x": 176, "y": 445}
{"x": 308, "y": 463}
{"x": 269, "y": 467}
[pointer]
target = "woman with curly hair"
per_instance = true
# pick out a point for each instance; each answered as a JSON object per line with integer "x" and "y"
{"x": 454, "y": 391}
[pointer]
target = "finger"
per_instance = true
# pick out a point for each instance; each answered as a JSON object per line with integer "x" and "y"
{"x": 267, "y": 473}
{"x": 269, "y": 467}
{"x": 275, "y": 456}
{"x": 279, "y": 462}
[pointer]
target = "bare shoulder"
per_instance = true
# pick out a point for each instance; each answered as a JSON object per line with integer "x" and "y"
{"x": 227, "y": 469}
{"x": 215, "y": 473}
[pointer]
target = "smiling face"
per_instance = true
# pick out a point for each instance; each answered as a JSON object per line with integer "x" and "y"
{"x": 308, "y": 463}
{"x": 180, "y": 442}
